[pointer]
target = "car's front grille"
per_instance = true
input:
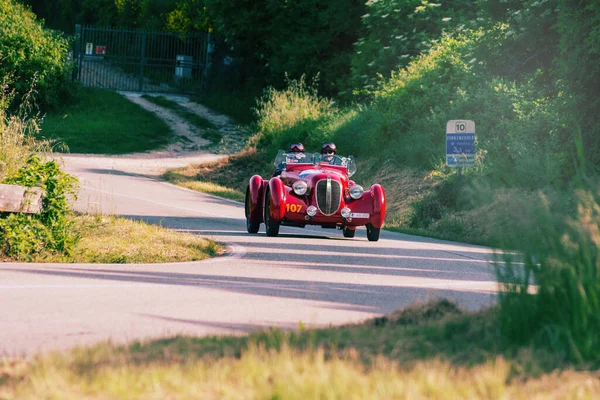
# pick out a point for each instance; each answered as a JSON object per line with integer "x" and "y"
{"x": 328, "y": 194}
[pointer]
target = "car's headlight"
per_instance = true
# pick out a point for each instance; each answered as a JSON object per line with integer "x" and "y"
{"x": 356, "y": 192}
{"x": 300, "y": 187}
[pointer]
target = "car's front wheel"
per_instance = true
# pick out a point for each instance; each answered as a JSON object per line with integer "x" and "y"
{"x": 272, "y": 227}
{"x": 372, "y": 233}
{"x": 349, "y": 233}
{"x": 251, "y": 227}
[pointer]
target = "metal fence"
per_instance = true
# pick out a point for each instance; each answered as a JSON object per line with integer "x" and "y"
{"x": 137, "y": 60}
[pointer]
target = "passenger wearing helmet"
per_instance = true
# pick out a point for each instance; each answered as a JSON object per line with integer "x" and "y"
{"x": 328, "y": 151}
{"x": 295, "y": 154}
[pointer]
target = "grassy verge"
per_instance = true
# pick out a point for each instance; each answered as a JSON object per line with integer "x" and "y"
{"x": 109, "y": 239}
{"x": 227, "y": 178}
{"x": 208, "y": 130}
{"x": 104, "y": 122}
{"x": 428, "y": 351}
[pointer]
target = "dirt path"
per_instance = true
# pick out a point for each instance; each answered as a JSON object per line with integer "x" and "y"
{"x": 189, "y": 147}
{"x": 190, "y": 136}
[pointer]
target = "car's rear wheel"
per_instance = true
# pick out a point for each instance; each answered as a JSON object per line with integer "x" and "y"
{"x": 272, "y": 227}
{"x": 349, "y": 233}
{"x": 251, "y": 227}
{"x": 372, "y": 233}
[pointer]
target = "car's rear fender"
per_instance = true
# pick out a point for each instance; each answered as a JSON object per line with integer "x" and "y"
{"x": 277, "y": 199}
{"x": 256, "y": 200}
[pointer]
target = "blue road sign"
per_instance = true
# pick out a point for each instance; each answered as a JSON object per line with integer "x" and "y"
{"x": 460, "y": 143}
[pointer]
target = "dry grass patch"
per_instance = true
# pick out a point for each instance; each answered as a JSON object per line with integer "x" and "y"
{"x": 109, "y": 239}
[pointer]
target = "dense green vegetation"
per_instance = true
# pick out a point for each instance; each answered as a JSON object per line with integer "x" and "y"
{"x": 33, "y": 56}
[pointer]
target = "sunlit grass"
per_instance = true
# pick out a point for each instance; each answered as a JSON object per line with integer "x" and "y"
{"x": 110, "y": 239}
{"x": 17, "y": 132}
{"x": 211, "y": 188}
{"x": 227, "y": 178}
{"x": 379, "y": 359}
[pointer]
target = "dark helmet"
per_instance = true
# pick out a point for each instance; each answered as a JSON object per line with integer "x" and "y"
{"x": 328, "y": 148}
{"x": 296, "y": 148}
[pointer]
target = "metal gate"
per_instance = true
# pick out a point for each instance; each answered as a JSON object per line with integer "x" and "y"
{"x": 137, "y": 60}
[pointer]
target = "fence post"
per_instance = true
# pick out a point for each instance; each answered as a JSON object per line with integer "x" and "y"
{"x": 76, "y": 52}
{"x": 210, "y": 47}
{"x": 142, "y": 61}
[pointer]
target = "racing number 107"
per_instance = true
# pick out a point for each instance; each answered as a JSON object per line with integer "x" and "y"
{"x": 293, "y": 208}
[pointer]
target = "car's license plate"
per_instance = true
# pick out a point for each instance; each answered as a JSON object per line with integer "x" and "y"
{"x": 359, "y": 215}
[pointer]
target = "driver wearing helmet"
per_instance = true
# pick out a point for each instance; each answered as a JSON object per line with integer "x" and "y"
{"x": 328, "y": 151}
{"x": 295, "y": 153}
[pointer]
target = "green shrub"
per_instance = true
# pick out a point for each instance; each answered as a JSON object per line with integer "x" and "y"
{"x": 22, "y": 236}
{"x": 34, "y": 55}
{"x": 294, "y": 114}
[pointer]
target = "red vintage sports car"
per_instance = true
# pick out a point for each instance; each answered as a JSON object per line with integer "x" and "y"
{"x": 312, "y": 189}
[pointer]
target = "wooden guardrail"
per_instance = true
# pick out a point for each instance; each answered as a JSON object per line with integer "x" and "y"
{"x": 20, "y": 199}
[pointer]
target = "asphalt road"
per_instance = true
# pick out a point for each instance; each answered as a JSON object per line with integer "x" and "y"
{"x": 311, "y": 275}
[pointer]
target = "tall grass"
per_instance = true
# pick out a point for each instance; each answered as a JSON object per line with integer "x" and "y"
{"x": 559, "y": 237}
{"x": 16, "y": 132}
{"x": 294, "y": 114}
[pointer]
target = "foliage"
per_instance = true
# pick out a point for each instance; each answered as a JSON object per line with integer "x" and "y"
{"x": 579, "y": 69}
{"x": 188, "y": 16}
{"x": 397, "y": 31}
{"x": 296, "y": 38}
{"x": 34, "y": 56}
{"x": 559, "y": 237}
{"x": 294, "y": 114}
{"x": 25, "y": 235}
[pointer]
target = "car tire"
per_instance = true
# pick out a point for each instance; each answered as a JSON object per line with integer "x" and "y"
{"x": 349, "y": 233}
{"x": 251, "y": 227}
{"x": 271, "y": 227}
{"x": 373, "y": 233}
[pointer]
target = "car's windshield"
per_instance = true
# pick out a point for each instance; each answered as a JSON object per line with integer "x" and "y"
{"x": 283, "y": 158}
{"x": 294, "y": 158}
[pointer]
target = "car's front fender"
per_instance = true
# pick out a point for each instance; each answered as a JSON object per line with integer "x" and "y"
{"x": 256, "y": 198}
{"x": 379, "y": 205}
{"x": 277, "y": 199}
